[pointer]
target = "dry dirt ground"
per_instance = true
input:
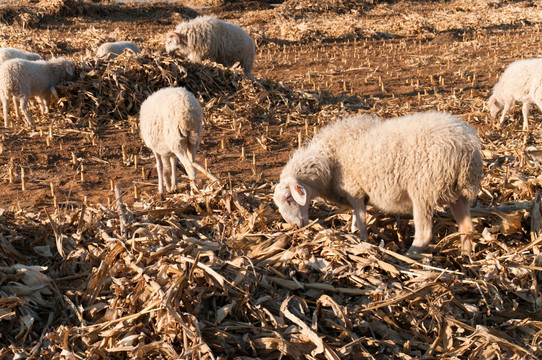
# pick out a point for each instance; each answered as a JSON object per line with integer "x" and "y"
{"x": 316, "y": 61}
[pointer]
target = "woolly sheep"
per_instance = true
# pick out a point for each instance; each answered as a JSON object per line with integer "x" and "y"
{"x": 208, "y": 38}
{"x": 113, "y": 49}
{"x": 171, "y": 124}
{"x": 521, "y": 81}
{"x": 23, "y": 79}
{"x": 411, "y": 164}
{"x": 12, "y": 53}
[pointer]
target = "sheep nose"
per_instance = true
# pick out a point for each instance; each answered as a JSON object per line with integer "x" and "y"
{"x": 296, "y": 226}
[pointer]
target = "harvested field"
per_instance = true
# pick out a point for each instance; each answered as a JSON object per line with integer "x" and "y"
{"x": 95, "y": 265}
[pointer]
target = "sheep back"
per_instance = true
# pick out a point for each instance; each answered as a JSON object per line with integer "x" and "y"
{"x": 169, "y": 117}
{"x": 520, "y": 81}
{"x": 116, "y": 48}
{"x": 208, "y": 38}
{"x": 12, "y": 53}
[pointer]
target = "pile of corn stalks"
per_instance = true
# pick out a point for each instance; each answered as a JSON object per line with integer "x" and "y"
{"x": 114, "y": 89}
{"x": 214, "y": 275}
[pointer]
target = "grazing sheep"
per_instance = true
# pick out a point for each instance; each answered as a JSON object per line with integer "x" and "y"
{"x": 208, "y": 38}
{"x": 521, "y": 81}
{"x": 411, "y": 164}
{"x": 12, "y": 53}
{"x": 171, "y": 124}
{"x": 23, "y": 79}
{"x": 113, "y": 49}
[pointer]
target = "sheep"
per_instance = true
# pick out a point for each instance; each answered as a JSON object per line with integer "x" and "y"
{"x": 22, "y": 79}
{"x": 521, "y": 81}
{"x": 12, "y": 53}
{"x": 113, "y": 49}
{"x": 171, "y": 124}
{"x": 208, "y": 38}
{"x": 412, "y": 164}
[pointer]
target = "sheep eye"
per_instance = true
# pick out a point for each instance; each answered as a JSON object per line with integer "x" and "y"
{"x": 289, "y": 199}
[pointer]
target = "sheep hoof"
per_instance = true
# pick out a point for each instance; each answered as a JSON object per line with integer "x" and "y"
{"x": 466, "y": 246}
{"x": 415, "y": 252}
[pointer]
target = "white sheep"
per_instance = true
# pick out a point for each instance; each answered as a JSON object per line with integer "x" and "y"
{"x": 171, "y": 124}
{"x": 411, "y": 164}
{"x": 521, "y": 81}
{"x": 208, "y": 38}
{"x": 23, "y": 79}
{"x": 113, "y": 49}
{"x": 12, "y": 53}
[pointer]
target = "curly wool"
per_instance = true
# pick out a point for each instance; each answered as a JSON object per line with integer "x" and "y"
{"x": 208, "y": 38}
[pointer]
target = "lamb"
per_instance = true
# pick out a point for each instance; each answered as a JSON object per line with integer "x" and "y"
{"x": 12, "y": 53}
{"x": 113, "y": 49}
{"x": 171, "y": 125}
{"x": 208, "y": 38}
{"x": 521, "y": 81}
{"x": 23, "y": 79}
{"x": 412, "y": 164}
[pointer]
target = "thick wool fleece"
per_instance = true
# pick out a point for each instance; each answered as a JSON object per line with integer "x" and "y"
{"x": 171, "y": 124}
{"x": 208, "y": 38}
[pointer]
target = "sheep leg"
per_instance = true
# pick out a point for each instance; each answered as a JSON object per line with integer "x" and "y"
{"x": 173, "y": 178}
{"x": 191, "y": 152}
{"x": 504, "y": 112}
{"x": 159, "y": 170}
{"x": 461, "y": 211}
{"x": 24, "y": 109}
{"x": 5, "y": 110}
{"x": 43, "y": 103}
{"x": 166, "y": 163}
{"x": 359, "y": 217}
{"x": 53, "y": 91}
{"x": 423, "y": 218}
{"x": 16, "y": 107}
{"x": 525, "y": 110}
{"x": 539, "y": 104}
{"x": 187, "y": 164}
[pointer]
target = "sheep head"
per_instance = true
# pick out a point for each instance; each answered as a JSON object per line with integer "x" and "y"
{"x": 494, "y": 106}
{"x": 293, "y": 200}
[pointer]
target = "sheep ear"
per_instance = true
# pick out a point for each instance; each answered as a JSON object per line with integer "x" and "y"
{"x": 69, "y": 69}
{"x": 174, "y": 36}
{"x": 298, "y": 192}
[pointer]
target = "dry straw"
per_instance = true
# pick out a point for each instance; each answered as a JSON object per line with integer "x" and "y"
{"x": 216, "y": 273}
